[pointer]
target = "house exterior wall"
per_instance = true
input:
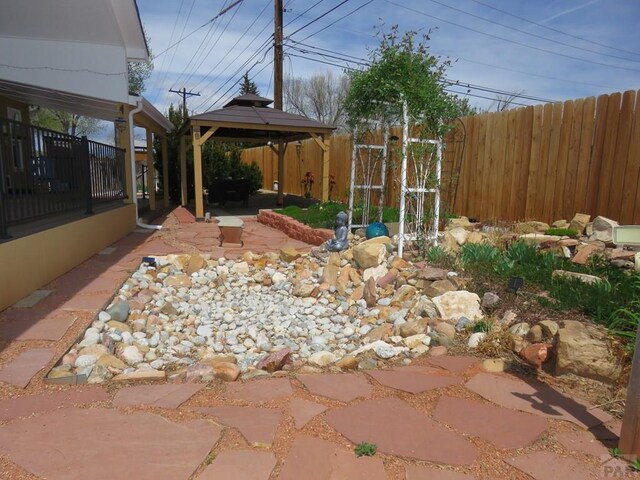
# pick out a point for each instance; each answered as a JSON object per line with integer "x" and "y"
{"x": 33, "y": 261}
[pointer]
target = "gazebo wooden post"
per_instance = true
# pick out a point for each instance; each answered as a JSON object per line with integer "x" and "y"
{"x": 280, "y": 202}
{"x": 197, "y": 170}
{"x": 323, "y": 143}
{"x": 165, "y": 171}
{"x": 183, "y": 171}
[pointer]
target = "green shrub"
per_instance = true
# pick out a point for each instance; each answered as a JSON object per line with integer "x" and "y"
{"x": 479, "y": 254}
{"x": 561, "y": 232}
{"x": 366, "y": 449}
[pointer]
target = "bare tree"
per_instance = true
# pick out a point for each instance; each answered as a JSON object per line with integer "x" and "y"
{"x": 320, "y": 97}
{"x": 65, "y": 122}
{"x": 504, "y": 102}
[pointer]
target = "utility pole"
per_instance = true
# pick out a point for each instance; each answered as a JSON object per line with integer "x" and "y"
{"x": 277, "y": 90}
{"x": 184, "y": 94}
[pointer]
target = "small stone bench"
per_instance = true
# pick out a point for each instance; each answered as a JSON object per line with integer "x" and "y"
{"x": 230, "y": 230}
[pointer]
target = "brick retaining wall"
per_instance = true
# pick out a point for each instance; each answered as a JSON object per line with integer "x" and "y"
{"x": 293, "y": 228}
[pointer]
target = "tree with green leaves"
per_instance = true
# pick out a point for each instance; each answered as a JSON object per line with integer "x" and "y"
{"x": 248, "y": 86}
{"x": 139, "y": 72}
{"x": 402, "y": 69}
{"x": 65, "y": 122}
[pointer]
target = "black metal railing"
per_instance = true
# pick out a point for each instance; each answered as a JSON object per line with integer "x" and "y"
{"x": 44, "y": 173}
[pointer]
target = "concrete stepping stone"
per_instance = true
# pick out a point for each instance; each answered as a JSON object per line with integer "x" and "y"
{"x": 454, "y": 363}
{"x": 30, "y": 404}
{"x": 162, "y": 396}
{"x": 430, "y": 473}
{"x": 51, "y": 327}
{"x": 503, "y": 427}
{"x": 262, "y": 390}
{"x": 412, "y": 382}
{"x": 399, "y": 429}
{"x": 303, "y": 410}
{"x": 535, "y": 397}
{"x": 240, "y": 465}
{"x": 337, "y": 386}
{"x": 547, "y": 465}
{"x": 20, "y": 371}
{"x": 257, "y": 425}
{"x": 32, "y": 299}
{"x": 583, "y": 442}
{"x": 104, "y": 444}
{"x": 312, "y": 458}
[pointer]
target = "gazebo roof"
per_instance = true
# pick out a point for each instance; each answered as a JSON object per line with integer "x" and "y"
{"x": 248, "y": 118}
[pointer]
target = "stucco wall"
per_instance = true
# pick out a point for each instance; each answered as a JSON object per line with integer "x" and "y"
{"x": 30, "y": 262}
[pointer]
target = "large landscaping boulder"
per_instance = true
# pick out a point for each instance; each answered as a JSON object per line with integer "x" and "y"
{"x": 583, "y": 349}
{"x": 603, "y": 229}
{"x": 453, "y": 305}
{"x": 370, "y": 253}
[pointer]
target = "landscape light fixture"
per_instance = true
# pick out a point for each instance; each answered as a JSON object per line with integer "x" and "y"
{"x": 299, "y": 149}
{"x": 515, "y": 283}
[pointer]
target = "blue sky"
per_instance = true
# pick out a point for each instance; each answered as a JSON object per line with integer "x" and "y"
{"x": 552, "y": 50}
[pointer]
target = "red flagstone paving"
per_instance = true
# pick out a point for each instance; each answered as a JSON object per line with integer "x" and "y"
{"x": 503, "y": 427}
{"x": 261, "y": 390}
{"x": 412, "y": 382}
{"x": 548, "y": 465}
{"x": 99, "y": 443}
{"x": 399, "y": 429}
{"x": 30, "y": 404}
{"x": 582, "y": 442}
{"x": 535, "y": 397}
{"x": 431, "y": 473}
{"x": 338, "y": 386}
{"x": 312, "y": 458}
{"x": 20, "y": 371}
{"x": 50, "y": 327}
{"x": 240, "y": 465}
{"x": 170, "y": 395}
{"x": 454, "y": 363}
{"x": 257, "y": 425}
{"x": 303, "y": 410}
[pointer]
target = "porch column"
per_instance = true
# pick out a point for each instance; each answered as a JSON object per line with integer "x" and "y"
{"x": 151, "y": 171}
{"x": 165, "y": 171}
{"x": 197, "y": 170}
{"x": 183, "y": 171}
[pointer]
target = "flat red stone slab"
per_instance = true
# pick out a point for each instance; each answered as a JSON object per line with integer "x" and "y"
{"x": 303, "y": 410}
{"x": 503, "y": 427}
{"x": 257, "y": 425}
{"x": 535, "y": 397}
{"x": 312, "y": 458}
{"x": 89, "y": 301}
{"x": 261, "y": 390}
{"x": 53, "y": 326}
{"x": 338, "y": 386}
{"x": 240, "y": 465}
{"x": 412, "y": 382}
{"x": 29, "y": 404}
{"x": 582, "y": 442}
{"x": 399, "y": 429}
{"x": 430, "y": 473}
{"x": 163, "y": 396}
{"x": 20, "y": 371}
{"x": 104, "y": 444}
{"x": 547, "y": 465}
{"x": 454, "y": 363}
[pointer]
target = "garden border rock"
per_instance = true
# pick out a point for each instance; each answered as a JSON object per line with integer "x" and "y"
{"x": 293, "y": 228}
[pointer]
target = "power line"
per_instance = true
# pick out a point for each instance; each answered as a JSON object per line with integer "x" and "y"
{"x": 184, "y": 94}
{"x": 554, "y": 29}
{"x": 338, "y": 20}
{"x": 529, "y": 33}
{"x": 318, "y": 18}
{"x": 302, "y": 14}
{"x": 515, "y": 42}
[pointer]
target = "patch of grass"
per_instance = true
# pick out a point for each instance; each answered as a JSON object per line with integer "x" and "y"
{"x": 323, "y": 215}
{"x": 366, "y": 449}
{"x": 561, "y": 232}
{"x": 482, "y": 326}
{"x": 479, "y": 255}
{"x": 615, "y": 452}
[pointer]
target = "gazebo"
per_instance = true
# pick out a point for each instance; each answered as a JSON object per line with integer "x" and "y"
{"x": 249, "y": 119}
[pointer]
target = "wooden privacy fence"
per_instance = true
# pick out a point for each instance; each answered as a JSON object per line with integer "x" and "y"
{"x": 543, "y": 162}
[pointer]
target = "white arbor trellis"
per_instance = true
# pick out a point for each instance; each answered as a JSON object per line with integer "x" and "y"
{"x": 368, "y": 176}
{"x": 418, "y": 224}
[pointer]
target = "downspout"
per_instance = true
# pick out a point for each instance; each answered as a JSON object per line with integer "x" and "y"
{"x": 132, "y": 157}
